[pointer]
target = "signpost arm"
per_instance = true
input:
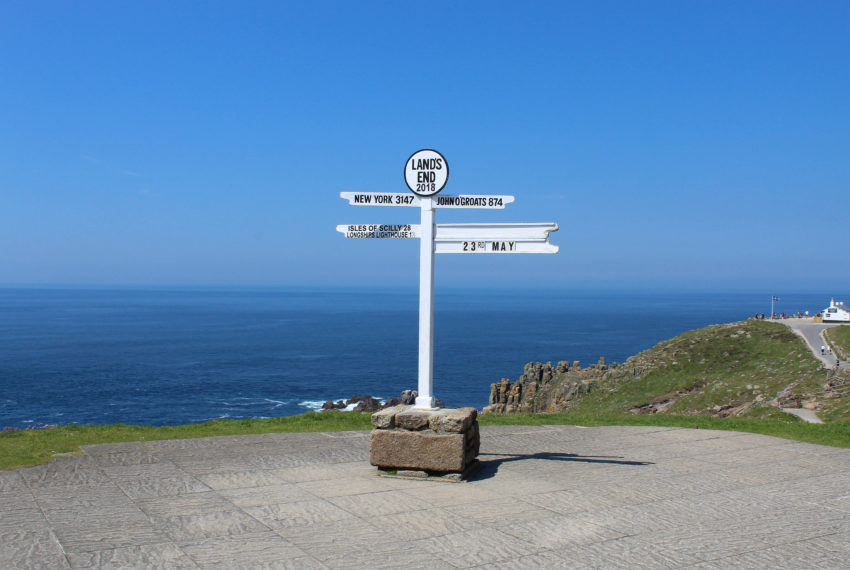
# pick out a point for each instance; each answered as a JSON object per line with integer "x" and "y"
{"x": 425, "y": 399}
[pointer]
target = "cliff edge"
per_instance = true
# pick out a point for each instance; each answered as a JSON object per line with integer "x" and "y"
{"x": 749, "y": 368}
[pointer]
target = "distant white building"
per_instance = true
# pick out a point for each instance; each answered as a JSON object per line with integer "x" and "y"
{"x": 836, "y": 313}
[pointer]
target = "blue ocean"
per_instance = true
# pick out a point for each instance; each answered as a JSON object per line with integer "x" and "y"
{"x": 175, "y": 356}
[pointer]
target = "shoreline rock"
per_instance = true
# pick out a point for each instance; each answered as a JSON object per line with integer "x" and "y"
{"x": 366, "y": 403}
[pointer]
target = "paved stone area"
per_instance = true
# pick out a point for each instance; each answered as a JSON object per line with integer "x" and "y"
{"x": 547, "y": 497}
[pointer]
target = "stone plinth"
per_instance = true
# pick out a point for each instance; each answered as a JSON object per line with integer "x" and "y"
{"x": 436, "y": 441}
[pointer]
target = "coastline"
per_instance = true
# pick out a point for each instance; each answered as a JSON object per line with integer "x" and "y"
{"x": 168, "y": 358}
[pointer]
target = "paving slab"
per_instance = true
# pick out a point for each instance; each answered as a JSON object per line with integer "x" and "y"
{"x": 546, "y": 497}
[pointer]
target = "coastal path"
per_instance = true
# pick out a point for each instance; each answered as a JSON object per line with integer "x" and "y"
{"x": 812, "y": 333}
{"x": 546, "y": 497}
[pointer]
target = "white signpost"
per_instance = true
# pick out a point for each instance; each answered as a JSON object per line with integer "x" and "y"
{"x": 426, "y": 173}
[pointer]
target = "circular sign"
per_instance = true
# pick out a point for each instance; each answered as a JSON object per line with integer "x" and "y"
{"x": 426, "y": 172}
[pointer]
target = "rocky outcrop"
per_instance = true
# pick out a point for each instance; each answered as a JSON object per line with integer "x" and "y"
{"x": 366, "y": 403}
{"x": 544, "y": 388}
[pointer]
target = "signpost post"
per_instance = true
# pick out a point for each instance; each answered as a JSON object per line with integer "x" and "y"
{"x": 426, "y": 173}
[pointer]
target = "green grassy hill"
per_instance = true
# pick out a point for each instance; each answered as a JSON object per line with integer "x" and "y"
{"x": 746, "y": 369}
{"x": 839, "y": 338}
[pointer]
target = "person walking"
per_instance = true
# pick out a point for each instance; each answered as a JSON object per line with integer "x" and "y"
{"x": 822, "y": 348}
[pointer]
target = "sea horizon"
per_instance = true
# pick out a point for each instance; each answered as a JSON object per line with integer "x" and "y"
{"x": 413, "y": 287}
{"x": 171, "y": 355}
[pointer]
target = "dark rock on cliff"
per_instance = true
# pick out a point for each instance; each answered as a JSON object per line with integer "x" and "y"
{"x": 542, "y": 387}
{"x": 366, "y": 403}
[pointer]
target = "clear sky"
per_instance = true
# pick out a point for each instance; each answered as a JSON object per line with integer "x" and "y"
{"x": 680, "y": 144}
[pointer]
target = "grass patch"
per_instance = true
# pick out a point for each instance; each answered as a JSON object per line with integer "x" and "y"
{"x": 839, "y": 338}
{"x": 786, "y": 426}
{"x": 32, "y": 447}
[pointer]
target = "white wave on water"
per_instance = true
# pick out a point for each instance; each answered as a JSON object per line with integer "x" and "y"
{"x": 251, "y": 402}
{"x": 237, "y": 402}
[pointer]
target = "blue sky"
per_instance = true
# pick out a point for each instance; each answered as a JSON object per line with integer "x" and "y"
{"x": 678, "y": 144}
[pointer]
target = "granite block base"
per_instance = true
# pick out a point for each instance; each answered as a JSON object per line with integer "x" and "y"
{"x": 433, "y": 442}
